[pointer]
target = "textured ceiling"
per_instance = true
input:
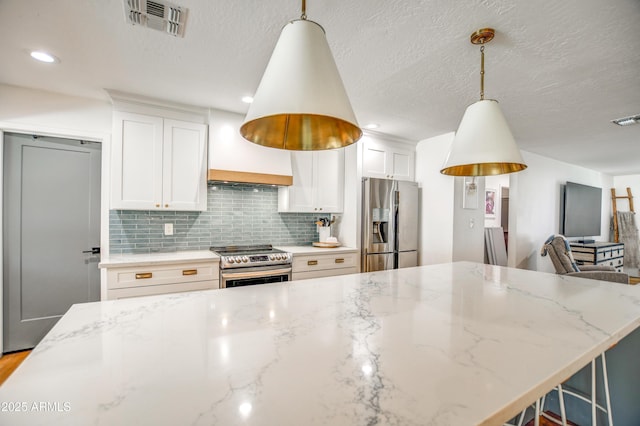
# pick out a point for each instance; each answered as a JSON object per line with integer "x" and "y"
{"x": 560, "y": 69}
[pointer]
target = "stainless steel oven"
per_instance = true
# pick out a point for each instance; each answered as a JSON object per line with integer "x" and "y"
{"x": 252, "y": 265}
{"x": 254, "y": 275}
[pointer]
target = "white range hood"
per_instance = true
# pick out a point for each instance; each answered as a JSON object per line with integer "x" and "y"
{"x": 234, "y": 159}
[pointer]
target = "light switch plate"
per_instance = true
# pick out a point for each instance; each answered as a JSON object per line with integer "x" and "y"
{"x": 168, "y": 229}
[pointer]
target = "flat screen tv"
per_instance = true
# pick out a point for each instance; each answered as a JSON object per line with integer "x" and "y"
{"x": 580, "y": 211}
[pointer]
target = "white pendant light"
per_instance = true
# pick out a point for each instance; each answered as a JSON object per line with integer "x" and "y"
{"x": 301, "y": 102}
{"x": 483, "y": 144}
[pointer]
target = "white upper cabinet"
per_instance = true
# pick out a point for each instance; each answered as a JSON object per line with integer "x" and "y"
{"x": 318, "y": 183}
{"x": 329, "y": 185}
{"x": 387, "y": 160}
{"x": 158, "y": 163}
{"x": 184, "y": 166}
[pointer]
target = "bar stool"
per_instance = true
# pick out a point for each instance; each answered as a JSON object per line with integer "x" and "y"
{"x": 538, "y": 406}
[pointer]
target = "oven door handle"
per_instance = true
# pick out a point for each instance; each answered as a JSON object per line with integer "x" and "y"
{"x": 254, "y": 274}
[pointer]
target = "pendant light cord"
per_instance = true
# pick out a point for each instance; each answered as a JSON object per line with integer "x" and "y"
{"x": 481, "y": 72}
{"x": 304, "y": 10}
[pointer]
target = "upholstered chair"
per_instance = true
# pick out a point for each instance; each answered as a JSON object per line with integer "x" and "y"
{"x": 560, "y": 254}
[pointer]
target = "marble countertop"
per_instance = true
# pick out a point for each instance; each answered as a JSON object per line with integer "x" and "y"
{"x": 316, "y": 250}
{"x": 449, "y": 344}
{"x": 124, "y": 260}
{"x": 148, "y": 259}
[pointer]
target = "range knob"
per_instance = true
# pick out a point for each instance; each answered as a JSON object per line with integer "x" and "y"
{"x": 272, "y": 257}
{"x": 245, "y": 259}
{"x": 230, "y": 260}
{"x": 238, "y": 259}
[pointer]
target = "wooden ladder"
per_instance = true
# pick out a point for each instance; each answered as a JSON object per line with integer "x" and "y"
{"x": 615, "y": 197}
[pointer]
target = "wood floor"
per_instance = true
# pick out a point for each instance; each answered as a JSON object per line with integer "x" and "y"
{"x": 9, "y": 362}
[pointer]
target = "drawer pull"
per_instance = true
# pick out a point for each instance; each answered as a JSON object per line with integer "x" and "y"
{"x": 144, "y": 276}
{"x": 312, "y": 262}
{"x": 190, "y": 272}
{"x": 339, "y": 260}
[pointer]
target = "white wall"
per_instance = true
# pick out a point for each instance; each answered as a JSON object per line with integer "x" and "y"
{"x": 468, "y": 224}
{"x": 347, "y": 228}
{"x": 621, "y": 183}
{"x": 31, "y": 111}
{"x": 68, "y": 115}
{"x": 534, "y": 205}
{"x": 436, "y": 201}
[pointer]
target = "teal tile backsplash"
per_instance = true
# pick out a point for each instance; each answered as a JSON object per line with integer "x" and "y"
{"x": 236, "y": 214}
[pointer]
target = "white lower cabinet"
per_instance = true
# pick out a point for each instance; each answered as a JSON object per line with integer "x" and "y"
{"x": 324, "y": 265}
{"x": 135, "y": 281}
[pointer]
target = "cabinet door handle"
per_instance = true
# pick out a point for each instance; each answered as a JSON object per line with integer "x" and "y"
{"x": 166, "y": 206}
{"x": 144, "y": 275}
{"x": 339, "y": 260}
{"x": 157, "y": 205}
{"x": 190, "y": 272}
{"x": 312, "y": 262}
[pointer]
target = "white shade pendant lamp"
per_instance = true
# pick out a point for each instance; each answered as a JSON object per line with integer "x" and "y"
{"x": 483, "y": 144}
{"x": 301, "y": 102}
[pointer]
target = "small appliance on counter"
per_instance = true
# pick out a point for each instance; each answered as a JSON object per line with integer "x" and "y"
{"x": 389, "y": 224}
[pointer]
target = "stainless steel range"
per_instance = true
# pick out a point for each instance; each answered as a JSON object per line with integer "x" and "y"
{"x": 251, "y": 265}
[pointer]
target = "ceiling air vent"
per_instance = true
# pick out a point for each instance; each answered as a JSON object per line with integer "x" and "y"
{"x": 158, "y": 15}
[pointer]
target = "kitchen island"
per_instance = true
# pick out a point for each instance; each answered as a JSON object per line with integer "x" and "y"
{"x": 450, "y": 344}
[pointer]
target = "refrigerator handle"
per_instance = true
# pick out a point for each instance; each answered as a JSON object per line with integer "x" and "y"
{"x": 396, "y": 204}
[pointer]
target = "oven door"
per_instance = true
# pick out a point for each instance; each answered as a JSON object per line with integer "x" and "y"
{"x": 252, "y": 276}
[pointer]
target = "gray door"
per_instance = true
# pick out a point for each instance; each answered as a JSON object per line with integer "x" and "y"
{"x": 51, "y": 207}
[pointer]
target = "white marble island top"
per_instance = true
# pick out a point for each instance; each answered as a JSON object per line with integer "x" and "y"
{"x": 450, "y": 344}
{"x": 150, "y": 259}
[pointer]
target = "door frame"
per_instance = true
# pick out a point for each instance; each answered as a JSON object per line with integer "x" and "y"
{"x": 105, "y": 186}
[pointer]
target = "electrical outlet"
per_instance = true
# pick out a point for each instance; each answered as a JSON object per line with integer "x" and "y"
{"x": 168, "y": 229}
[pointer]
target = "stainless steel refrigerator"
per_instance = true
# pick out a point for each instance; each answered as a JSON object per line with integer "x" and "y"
{"x": 389, "y": 224}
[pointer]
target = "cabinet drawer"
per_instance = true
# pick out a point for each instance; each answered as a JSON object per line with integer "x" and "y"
{"x": 609, "y": 254}
{"x": 161, "y": 275}
{"x": 323, "y": 273}
{"x": 307, "y": 263}
{"x": 123, "y": 293}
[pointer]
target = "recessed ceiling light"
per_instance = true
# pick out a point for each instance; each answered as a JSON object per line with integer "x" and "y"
{"x": 247, "y": 99}
{"x": 371, "y": 126}
{"x": 41, "y": 56}
{"x": 626, "y": 121}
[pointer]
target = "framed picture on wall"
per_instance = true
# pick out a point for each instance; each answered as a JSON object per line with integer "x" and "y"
{"x": 470, "y": 194}
{"x": 490, "y": 203}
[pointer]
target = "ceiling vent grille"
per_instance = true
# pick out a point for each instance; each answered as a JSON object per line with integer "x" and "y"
{"x": 158, "y": 15}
